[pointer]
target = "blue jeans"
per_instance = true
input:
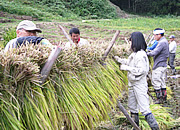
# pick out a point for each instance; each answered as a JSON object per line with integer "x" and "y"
{"x": 171, "y": 60}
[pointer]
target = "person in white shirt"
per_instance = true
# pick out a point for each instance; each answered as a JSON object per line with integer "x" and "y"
{"x": 137, "y": 66}
{"x": 77, "y": 41}
{"x": 172, "y": 53}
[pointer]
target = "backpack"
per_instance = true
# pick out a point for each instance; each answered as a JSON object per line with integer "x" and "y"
{"x": 29, "y": 39}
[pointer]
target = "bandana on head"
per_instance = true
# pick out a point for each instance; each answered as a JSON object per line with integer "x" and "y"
{"x": 158, "y": 31}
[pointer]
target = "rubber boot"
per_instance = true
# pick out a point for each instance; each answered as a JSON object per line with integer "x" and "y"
{"x": 135, "y": 117}
{"x": 164, "y": 94}
{"x": 173, "y": 71}
{"x": 158, "y": 95}
{"x": 152, "y": 121}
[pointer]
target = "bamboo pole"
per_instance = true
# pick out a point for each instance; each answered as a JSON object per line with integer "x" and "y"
{"x": 150, "y": 40}
{"x": 65, "y": 34}
{"x": 110, "y": 45}
{"x": 49, "y": 64}
{"x": 148, "y": 37}
{"x": 126, "y": 40}
{"x": 127, "y": 115}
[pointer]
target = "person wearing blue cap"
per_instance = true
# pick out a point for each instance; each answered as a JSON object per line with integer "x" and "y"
{"x": 172, "y": 53}
{"x": 160, "y": 55}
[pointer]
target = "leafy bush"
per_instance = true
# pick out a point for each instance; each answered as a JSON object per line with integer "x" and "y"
{"x": 92, "y": 8}
{"x": 50, "y": 8}
{"x": 10, "y": 33}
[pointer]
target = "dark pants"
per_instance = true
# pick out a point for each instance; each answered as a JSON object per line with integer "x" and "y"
{"x": 171, "y": 60}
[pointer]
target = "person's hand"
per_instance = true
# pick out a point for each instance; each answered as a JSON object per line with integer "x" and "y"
{"x": 118, "y": 59}
{"x": 125, "y": 67}
{"x": 148, "y": 53}
{"x": 148, "y": 50}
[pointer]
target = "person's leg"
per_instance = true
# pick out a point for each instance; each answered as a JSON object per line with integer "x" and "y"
{"x": 152, "y": 121}
{"x": 156, "y": 82}
{"x": 171, "y": 60}
{"x": 142, "y": 98}
{"x": 163, "y": 84}
{"x": 132, "y": 104}
{"x": 158, "y": 96}
{"x": 143, "y": 103}
{"x": 135, "y": 117}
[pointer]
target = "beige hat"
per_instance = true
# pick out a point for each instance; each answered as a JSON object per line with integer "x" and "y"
{"x": 28, "y": 25}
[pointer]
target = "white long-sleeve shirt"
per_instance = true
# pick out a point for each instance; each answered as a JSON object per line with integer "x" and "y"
{"x": 138, "y": 67}
{"x": 80, "y": 43}
{"x": 172, "y": 47}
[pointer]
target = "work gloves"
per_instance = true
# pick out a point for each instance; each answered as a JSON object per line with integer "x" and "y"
{"x": 125, "y": 67}
{"x": 118, "y": 59}
{"x": 122, "y": 61}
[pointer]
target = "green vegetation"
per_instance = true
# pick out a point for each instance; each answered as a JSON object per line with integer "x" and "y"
{"x": 140, "y": 23}
{"x": 178, "y": 52}
{"x": 10, "y": 33}
{"x": 149, "y": 7}
{"x": 59, "y": 9}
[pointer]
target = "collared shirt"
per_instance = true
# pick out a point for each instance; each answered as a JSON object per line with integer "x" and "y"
{"x": 81, "y": 42}
{"x": 172, "y": 47}
{"x": 160, "y": 53}
{"x": 139, "y": 67}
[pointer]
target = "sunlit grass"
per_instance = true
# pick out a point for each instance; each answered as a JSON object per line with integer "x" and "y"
{"x": 140, "y": 23}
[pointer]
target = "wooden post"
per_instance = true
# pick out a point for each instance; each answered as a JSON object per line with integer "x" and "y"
{"x": 66, "y": 35}
{"x": 127, "y": 115}
{"x": 49, "y": 64}
{"x": 110, "y": 45}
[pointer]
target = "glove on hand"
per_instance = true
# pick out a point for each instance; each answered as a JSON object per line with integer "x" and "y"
{"x": 125, "y": 67}
{"x": 118, "y": 59}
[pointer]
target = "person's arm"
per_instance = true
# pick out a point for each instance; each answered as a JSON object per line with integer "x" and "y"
{"x": 120, "y": 60}
{"x": 153, "y": 46}
{"x": 7, "y": 47}
{"x": 141, "y": 66}
{"x": 10, "y": 44}
{"x": 157, "y": 50}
